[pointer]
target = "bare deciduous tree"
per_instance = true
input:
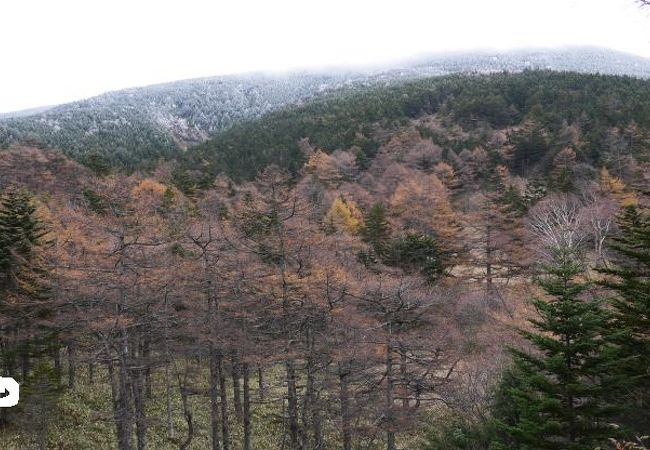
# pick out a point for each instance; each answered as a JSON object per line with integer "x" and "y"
{"x": 558, "y": 225}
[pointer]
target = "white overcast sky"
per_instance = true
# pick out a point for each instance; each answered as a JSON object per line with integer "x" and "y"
{"x": 53, "y": 51}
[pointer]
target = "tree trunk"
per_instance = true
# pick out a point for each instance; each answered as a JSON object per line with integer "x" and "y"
{"x": 292, "y": 403}
{"x": 489, "y": 282}
{"x": 136, "y": 378}
{"x": 311, "y": 413}
{"x": 187, "y": 412}
{"x": 169, "y": 392}
{"x": 214, "y": 401}
{"x": 56, "y": 356}
{"x": 390, "y": 420}
{"x": 91, "y": 373}
{"x": 72, "y": 365}
{"x": 236, "y": 387}
{"x": 121, "y": 412}
{"x": 223, "y": 389}
{"x": 23, "y": 351}
{"x": 260, "y": 383}
{"x": 146, "y": 355}
{"x": 25, "y": 363}
{"x": 307, "y": 408}
{"x": 247, "y": 407}
{"x": 139, "y": 403}
{"x": 218, "y": 412}
{"x": 317, "y": 424}
{"x": 125, "y": 414}
{"x": 344, "y": 397}
{"x": 168, "y": 373}
{"x": 404, "y": 380}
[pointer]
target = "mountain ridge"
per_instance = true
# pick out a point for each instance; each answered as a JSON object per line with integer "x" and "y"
{"x": 135, "y": 127}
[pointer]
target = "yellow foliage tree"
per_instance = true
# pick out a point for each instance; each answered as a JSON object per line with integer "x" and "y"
{"x": 615, "y": 187}
{"x": 446, "y": 174}
{"x": 344, "y": 215}
{"x": 323, "y": 167}
{"x": 422, "y": 205}
{"x": 148, "y": 186}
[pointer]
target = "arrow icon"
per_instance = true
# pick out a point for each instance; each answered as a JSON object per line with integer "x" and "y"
{"x": 10, "y": 392}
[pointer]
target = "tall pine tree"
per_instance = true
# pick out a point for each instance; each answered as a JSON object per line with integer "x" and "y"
{"x": 556, "y": 393}
{"x": 24, "y": 296}
{"x": 630, "y": 282}
{"x": 376, "y": 231}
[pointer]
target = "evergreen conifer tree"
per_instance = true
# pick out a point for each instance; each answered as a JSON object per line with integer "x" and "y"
{"x": 375, "y": 230}
{"x": 555, "y": 395}
{"x": 24, "y": 296}
{"x": 630, "y": 327}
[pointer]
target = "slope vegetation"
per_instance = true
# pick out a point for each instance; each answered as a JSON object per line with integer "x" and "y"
{"x": 545, "y": 103}
{"x": 135, "y": 128}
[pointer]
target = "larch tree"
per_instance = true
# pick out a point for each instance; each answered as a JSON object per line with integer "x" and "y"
{"x": 413, "y": 361}
{"x": 271, "y": 223}
{"x": 496, "y": 234}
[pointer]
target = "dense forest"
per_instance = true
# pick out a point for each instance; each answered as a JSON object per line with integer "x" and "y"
{"x": 546, "y": 102}
{"x": 133, "y": 129}
{"x": 456, "y": 262}
{"x": 136, "y": 128}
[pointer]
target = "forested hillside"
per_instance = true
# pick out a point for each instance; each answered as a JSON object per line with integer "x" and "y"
{"x": 135, "y": 128}
{"x": 457, "y": 262}
{"x": 548, "y": 104}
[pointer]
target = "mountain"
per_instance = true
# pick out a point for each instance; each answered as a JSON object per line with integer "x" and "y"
{"x": 469, "y": 107}
{"x": 398, "y": 261}
{"x": 25, "y": 112}
{"x": 134, "y": 128}
{"x": 569, "y": 59}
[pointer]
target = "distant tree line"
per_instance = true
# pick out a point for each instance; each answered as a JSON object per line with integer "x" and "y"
{"x": 544, "y": 102}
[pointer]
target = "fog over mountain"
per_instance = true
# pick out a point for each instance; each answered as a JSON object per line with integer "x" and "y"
{"x": 25, "y": 112}
{"x": 142, "y": 124}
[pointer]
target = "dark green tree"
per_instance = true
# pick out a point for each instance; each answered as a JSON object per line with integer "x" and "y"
{"x": 530, "y": 145}
{"x": 24, "y": 295}
{"x": 20, "y": 232}
{"x": 376, "y": 231}
{"x": 535, "y": 191}
{"x": 39, "y": 404}
{"x": 417, "y": 253}
{"x": 455, "y": 432}
{"x": 557, "y": 392}
{"x": 630, "y": 282}
{"x": 513, "y": 200}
